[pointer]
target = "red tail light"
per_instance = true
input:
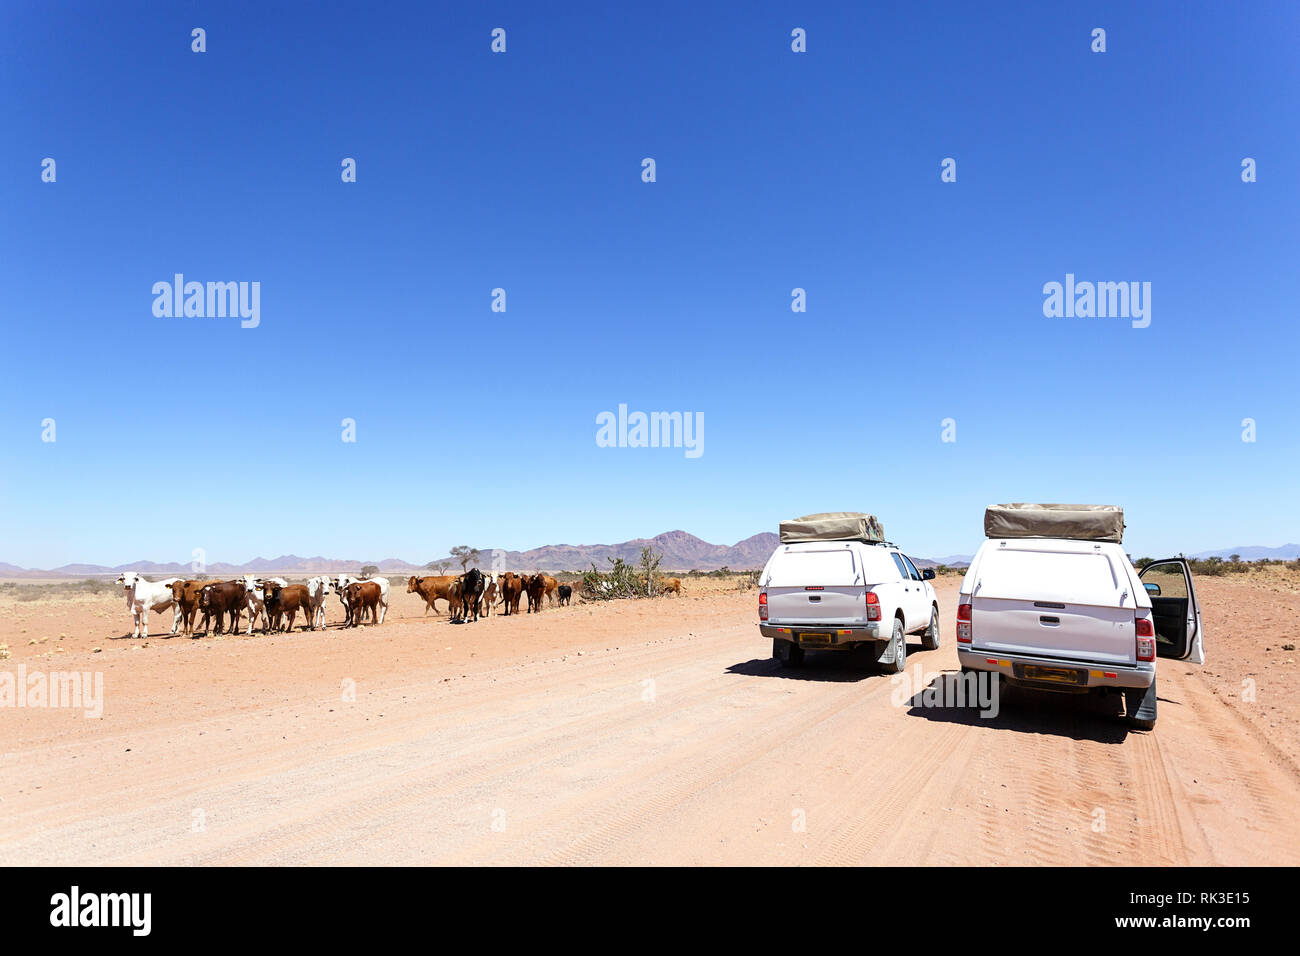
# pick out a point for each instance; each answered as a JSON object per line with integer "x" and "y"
{"x": 1146, "y": 639}
{"x": 873, "y": 606}
{"x": 762, "y": 605}
{"x": 965, "y": 626}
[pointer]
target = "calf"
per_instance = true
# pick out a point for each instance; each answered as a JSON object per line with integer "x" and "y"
{"x": 362, "y": 596}
{"x": 489, "y": 597}
{"x": 566, "y": 592}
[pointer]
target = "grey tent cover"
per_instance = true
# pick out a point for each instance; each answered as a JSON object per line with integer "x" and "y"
{"x": 1089, "y": 522}
{"x": 832, "y": 526}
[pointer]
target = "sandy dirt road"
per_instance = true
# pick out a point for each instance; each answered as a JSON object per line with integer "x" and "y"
{"x": 635, "y": 733}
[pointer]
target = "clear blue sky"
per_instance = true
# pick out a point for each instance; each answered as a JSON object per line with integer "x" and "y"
{"x": 775, "y": 170}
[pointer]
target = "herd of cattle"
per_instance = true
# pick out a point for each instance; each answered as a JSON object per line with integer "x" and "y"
{"x": 276, "y": 603}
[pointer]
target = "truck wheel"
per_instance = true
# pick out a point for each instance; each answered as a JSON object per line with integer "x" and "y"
{"x": 788, "y": 653}
{"x": 899, "y": 644}
{"x": 1140, "y": 706}
{"x": 930, "y": 639}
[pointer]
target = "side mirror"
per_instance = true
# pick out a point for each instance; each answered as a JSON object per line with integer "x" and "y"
{"x": 1152, "y": 588}
{"x": 927, "y": 574}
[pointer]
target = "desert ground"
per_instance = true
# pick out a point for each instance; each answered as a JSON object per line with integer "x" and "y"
{"x": 635, "y": 732}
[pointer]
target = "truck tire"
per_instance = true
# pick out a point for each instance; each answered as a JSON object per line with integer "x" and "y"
{"x": 930, "y": 639}
{"x": 899, "y": 644}
{"x": 788, "y": 653}
{"x": 1140, "y": 706}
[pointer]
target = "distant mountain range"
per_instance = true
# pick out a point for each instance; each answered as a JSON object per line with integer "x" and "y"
{"x": 681, "y": 552}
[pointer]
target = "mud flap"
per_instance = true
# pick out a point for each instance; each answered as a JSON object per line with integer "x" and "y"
{"x": 1140, "y": 705}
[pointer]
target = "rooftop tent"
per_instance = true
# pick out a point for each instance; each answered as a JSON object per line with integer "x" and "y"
{"x": 1086, "y": 522}
{"x": 832, "y": 526}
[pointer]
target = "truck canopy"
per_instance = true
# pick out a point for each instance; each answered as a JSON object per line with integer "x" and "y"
{"x": 1082, "y": 522}
{"x": 1059, "y": 573}
{"x": 799, "y": 565}
{"x": 833, "y": 526}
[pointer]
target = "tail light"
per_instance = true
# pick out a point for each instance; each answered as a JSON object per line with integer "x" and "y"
{"x": 1146, "y": 639}
{"x": 873, "y": 606}
{"x": 965, "y": 626}
{"x": 762, "y": 605}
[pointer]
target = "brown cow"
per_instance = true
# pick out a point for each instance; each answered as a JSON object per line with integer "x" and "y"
{"x": 363, "y": 596}
{"x": 512, "y": 585}
{"x": 289, "y": 601}
{"x": 454, "y": 599}
{"x": 489, "y": 597}
{"x": 431, "y": 588}
{"x": 186, "y": 596}
{"x": 221, "y": 598}
{"x": 550, "y": 584}
{"x": 536, "y": 587}
{"x": 670, "y": 584}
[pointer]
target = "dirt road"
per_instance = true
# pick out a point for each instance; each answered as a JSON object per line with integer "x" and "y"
{"x": 633, "y": 733}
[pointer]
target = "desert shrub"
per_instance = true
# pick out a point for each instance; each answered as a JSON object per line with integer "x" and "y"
{"x": 620, "y": 581}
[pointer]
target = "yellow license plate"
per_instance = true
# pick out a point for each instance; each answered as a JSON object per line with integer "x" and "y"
{"x": 1058, "y": 674}
{"x": 814, "y": 638}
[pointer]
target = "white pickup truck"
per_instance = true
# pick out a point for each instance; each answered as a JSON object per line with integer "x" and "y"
{"x": 844, "y": 595}
{"x": 1074, "y": 615}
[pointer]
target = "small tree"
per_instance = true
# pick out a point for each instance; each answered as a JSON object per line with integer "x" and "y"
{"x": 1234, "y": 558}
{"x": 369, "y": 571}
{"x": 649, "y": 565}
{"x": 465, "y": 555}
{"x": 439, "y": 566}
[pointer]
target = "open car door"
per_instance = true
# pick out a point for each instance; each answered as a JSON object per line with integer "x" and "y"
{"x": 1177, "y": 616}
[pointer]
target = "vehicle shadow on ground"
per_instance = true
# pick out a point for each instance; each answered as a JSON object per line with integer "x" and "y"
{"x": 830, "y": 666}
{"x": 1077, "y": 716}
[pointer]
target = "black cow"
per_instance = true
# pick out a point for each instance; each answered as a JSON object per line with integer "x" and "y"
{"x": 471, "y": 593}
{"x": 566, "y": 592}
{"x": 536, "y": 588}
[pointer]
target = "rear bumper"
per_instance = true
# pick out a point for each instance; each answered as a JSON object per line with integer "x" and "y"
{"x": 1024, "y": 669}
{"x": 832, "y": 636}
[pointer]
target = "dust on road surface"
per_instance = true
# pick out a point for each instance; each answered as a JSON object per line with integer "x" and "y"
{"x": 638, "y": 732}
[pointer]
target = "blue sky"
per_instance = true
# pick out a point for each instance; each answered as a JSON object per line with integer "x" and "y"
{"x": 522, "y": 170}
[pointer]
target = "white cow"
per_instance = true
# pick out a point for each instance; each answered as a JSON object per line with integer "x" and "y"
{"x": 318, "y": 588}
{"x": 342, "y": 581}
{"x": 143, "y": 596}
{"x": 257, "y": 597}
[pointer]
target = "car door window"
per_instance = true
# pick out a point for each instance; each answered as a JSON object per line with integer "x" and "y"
{"x": 902, "y": 568}
{"x": 914, "y": 574}
{"x": 1166, "y": 585}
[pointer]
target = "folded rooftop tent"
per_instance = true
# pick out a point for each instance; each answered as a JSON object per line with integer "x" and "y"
{"x": 832, "y": 526}
{"x": 1087, "y": 522}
